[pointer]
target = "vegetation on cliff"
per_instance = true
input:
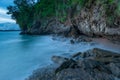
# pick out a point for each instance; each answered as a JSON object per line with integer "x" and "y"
{"x": 28, "y": 12}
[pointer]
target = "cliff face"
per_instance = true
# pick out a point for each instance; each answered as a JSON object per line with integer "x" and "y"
{"x": 96, "y": 18}
{"x": 90, "y": 21}
{"x": 93, "y": 20}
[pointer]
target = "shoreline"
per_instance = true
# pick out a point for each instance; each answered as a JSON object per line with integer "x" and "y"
{"x": 91, "y": 29}
{"x": 49, "y": 72}
{"x": 8, "y": 30}
{"x": 72, "y": 68}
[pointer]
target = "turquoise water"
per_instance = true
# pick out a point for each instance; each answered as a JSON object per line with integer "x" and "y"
{"x": 21, "y": 54}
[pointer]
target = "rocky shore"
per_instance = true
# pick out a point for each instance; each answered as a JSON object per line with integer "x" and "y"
{"x": 96, "y": 19}
{"x": 93, "y": 64}
{"x": 92, "y": 20}
{"x": 81, "y": 21}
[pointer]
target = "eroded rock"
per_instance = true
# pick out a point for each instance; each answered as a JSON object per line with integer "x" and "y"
{"x": 88, "y": 65}
{"x": 96, "y": 64}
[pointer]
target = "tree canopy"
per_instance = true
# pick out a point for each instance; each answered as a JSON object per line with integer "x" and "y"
{"x": 25, "y": 12}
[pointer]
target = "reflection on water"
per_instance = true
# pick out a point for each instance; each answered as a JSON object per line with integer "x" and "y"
{"x": 21, "y": 54}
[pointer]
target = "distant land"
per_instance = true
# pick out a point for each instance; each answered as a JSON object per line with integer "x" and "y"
{"x": 9, "y": 27}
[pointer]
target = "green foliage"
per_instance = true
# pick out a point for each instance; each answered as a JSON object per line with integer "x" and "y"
{"x": 25, "y": 12}
{"x": 22, "y": 12}
{"x": 111, "y": 1}
{"x": 118, "y": 8}
{"x": 112, "y": 8}
{"x": 45, "y": 8}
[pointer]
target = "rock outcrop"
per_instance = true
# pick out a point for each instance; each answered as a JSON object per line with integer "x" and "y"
{"x": 94, "y": 64}
{"x": 91, "y": 20}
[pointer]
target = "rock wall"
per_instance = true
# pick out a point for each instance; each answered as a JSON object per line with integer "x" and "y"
{"x": 92, "y": 20}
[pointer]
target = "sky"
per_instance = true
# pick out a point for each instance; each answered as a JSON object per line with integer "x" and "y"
{"x": 3, "y": 16}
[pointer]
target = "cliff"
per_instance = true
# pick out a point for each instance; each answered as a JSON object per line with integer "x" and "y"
{"x": 93, "y": 18}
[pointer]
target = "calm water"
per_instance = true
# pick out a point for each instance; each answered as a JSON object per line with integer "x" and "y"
{"x": 21, "y": 54}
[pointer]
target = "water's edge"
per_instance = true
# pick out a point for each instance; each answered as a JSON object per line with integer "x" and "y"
{"x": 22, "y": 54}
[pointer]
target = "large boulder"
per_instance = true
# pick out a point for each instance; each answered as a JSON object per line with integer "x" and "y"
{"x": 95, "y": 64}
{"x": 88, "y": 65}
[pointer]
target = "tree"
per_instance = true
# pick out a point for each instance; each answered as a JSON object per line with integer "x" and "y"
{"x": 22, "y": 12}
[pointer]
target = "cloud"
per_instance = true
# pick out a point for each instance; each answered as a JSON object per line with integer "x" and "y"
{"x": 4, "y": 17}
{"x": 4, "y": 20}
{"x": 3, "y": 11}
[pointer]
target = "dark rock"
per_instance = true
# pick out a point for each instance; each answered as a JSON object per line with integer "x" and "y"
{"x": 72, "y": 41}
{"x": 91, "y": 65}
{"x": 50, "y": 26}
{"x": 55, "y": 27}
{"x": 115, "y": 69}
{"x": 46, "y": 73}
{"x": 101, "y": 55}
{"x": 80, "y": 74}
{"x": 76, "y": 55}
{"x": 59, "y": 59}
{"x": 94, "y": 64}
{"x": 67, "y": 64}
{"x": 97, "y": 64}
{"x": 96, "y": 52}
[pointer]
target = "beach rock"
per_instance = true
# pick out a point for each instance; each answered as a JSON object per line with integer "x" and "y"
{"x": 97, "y": 52}
{"x": 58, "y": 59}
{"x": 96, "y": 64}
{"x": 93, "y": 64}
{"x": 115, "y": 69}
{"x": 67, "y": 64}
{"x": 72, "y": 41}
{"x": 101, "y": 55}
{"x": 76, "y": 55}
{"x": 89, "y": 66}
{"x": 45, "y": 73}
{"x": 80, "y": 74}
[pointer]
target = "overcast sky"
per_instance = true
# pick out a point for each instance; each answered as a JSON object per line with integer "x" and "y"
{"x": 3, "y": 16}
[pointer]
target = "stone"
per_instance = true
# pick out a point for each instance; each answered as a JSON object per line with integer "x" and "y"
{"x": 80, "y": 74}
{"x": 96, "y": 64}
{"x": 93, "y": 64}
{"x": 72, "y": 41}
{"x": 67, "y": 64}
{"x": 115, "y": 69}
{"x": 58, "y": 59}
